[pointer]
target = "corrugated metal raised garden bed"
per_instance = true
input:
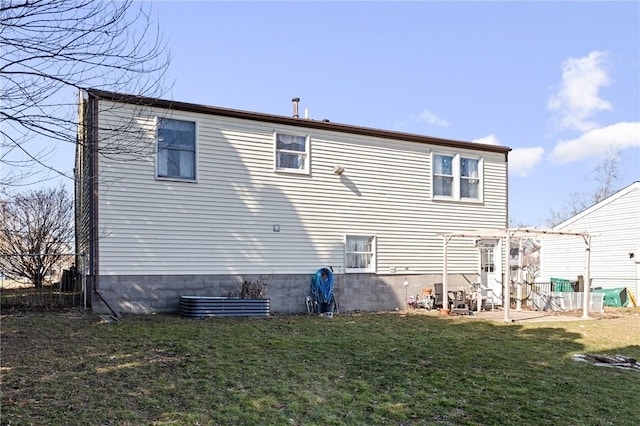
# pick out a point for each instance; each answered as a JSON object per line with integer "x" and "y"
{"x": 204, "y": 307}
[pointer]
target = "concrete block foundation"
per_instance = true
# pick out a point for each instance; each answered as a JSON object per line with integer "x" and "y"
{"x": 287, "y": 292}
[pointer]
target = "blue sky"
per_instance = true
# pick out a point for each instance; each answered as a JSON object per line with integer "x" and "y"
{"x": 556, "y": 81}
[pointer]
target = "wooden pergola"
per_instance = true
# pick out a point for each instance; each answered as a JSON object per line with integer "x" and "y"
{"x": 507, "y": 234}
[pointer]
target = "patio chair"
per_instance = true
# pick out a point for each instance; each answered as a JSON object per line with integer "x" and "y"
{"x": 437, "y": 292}
{"x": 458, "y": 302}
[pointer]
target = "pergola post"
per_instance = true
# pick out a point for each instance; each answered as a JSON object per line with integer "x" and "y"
{"x": 506, "y": 276}
{"x": 587, "y": 278}
{"x": 506, "y": 293}
{"x": 520, "y": 264}
{"x": 445, "y": 297}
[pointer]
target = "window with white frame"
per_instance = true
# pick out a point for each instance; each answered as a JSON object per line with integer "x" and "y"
{"x": 360, "y": 253}
{"x": 469, "y": 178}
{"x": 487, "y": 263}
{"x": 176, "y": 145}
{"x": 456, "y": 177}
{"x": 443, "y": 175}
{"x": 292, "y": 153}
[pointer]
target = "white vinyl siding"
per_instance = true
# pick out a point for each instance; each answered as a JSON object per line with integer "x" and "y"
{"x": 615, "y": 227}
{"x": 225, "y": 224}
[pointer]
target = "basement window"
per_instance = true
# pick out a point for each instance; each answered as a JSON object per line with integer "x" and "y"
{"x": 360, "y": 253}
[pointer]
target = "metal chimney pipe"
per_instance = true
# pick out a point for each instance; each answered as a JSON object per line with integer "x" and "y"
{"x": 295, "y": 107}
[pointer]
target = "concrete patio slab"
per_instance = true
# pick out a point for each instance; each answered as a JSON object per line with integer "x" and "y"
{"x": 526, "y": 316}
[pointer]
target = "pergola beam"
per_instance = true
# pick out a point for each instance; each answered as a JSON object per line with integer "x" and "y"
{"x": 507, "y": 234}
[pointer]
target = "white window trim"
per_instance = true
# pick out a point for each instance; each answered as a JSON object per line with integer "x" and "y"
{"x": 480, "y": 178}
{"x": 457, "y": 177}
{"x": 172, "y": 178}
{"x": 307, "y": 163}
{"x": 372, "y": 268}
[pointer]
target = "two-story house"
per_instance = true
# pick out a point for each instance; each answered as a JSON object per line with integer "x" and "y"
{"x": 175, "y": 198}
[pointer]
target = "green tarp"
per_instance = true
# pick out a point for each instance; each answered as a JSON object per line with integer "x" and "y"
{"x": 559, "y": 284}
{"x": 613, "y": 296}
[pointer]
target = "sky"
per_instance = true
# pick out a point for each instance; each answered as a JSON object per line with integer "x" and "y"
{"x": 558, "y": 82}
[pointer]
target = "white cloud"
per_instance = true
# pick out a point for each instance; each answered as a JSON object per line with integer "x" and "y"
{"x": 523, "y": 160}
{"x": 430, "y": 118}
{"x": 577, "y": 98}
{"x": 596, "y": 143}
{"x": 488, "y": 140}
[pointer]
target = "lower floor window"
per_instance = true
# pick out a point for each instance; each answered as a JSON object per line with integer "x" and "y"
{"x": 360, "y": 253}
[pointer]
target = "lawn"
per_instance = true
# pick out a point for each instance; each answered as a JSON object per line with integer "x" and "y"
{"x": 73, "y": 368}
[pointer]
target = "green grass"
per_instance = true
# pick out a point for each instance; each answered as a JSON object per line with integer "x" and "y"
{"x": 72, "y": 368}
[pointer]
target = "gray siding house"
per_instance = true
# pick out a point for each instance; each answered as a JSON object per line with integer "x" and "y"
{"x": 175, "y": 199}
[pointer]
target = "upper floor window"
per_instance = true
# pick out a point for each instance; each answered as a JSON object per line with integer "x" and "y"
{"x": 469, "y": 178}
{"x": 292, "y": 153}
{"x": 360, "y": 253}
{"x": 176, "y": 149}
{"x": 442, "y": 175}
{"x": 457, "y": 177}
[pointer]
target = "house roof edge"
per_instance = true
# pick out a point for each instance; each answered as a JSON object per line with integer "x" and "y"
{"x": 621, "y": 192}
{"x": 300, "y": 122}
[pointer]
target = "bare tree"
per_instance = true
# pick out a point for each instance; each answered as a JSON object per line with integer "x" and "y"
{"x": 35, "y": 228}
{"x": 531, "y": 260}
{"x": 52, "y": 48}
{"x": 606, "y": 176}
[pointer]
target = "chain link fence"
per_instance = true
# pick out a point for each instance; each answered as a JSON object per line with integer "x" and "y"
{"x": 62, "y": 286}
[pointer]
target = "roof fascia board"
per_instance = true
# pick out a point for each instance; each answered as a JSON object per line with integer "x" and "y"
{"x": 291, "y": 121}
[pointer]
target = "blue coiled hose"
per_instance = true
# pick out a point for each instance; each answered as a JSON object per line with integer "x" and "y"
{"x": 322, "y": 285}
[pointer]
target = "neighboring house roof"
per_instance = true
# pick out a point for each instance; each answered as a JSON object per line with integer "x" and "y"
{"x": 291, "y": 121}
{"x": 599, "y": 205}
